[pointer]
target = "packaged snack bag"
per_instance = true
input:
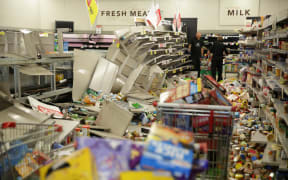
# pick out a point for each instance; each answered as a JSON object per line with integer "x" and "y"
{"x": 111, "y": 156}
{"x": 90, "y": 97}
{"x": 136, "y": 153}
{"x": 27, "y": 165}
{"x": 162, "y": 133}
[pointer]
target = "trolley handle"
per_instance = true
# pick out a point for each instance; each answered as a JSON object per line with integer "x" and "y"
{"x": 196, "y": 106}
{"x": 58, "y": 128}
{"x": 6, "y": 125}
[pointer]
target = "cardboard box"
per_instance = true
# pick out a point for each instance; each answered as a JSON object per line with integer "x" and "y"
{"x": 165, "y": 151}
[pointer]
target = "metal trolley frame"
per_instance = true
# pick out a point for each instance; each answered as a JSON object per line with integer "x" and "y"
{"x": 24, "y": 147}
{"x": 211, "y": 124}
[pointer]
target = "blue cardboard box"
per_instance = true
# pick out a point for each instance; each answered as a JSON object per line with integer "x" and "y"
{"x": 164, "y": 155}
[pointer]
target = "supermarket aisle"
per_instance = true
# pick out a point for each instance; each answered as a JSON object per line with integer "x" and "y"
{"x": 254, "y": 152}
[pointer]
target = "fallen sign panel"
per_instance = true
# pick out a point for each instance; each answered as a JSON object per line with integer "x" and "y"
{"x": 83, "y": 69}
{"x": 114, "y": 117}
{"x": 45, "y": 108}
{"x": 104, "y": 76}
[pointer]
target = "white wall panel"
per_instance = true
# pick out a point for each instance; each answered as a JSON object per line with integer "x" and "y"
{"x": 67, "y": 10}
{"x": 19, "y": 13}
{"x": 205, "y": 10}
{"x": 267, "y": 7}
{"x": 41, "y": 14}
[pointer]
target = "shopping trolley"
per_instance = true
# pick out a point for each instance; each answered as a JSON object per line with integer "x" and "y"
{"x": 24, "y": 147}
{"x": 211, "y": 124}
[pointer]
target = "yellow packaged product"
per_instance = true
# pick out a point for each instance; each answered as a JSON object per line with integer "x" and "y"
{"x": 145, "y": 175}
{"x": 199, "y": 84}
{"x": 79, "y": 165}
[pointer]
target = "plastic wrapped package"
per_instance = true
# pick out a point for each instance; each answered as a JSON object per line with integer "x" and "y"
{"x": 111, "y": 156}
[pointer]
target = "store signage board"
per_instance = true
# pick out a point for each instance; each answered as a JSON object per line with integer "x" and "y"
{"x": 123, "y": 13}
{"x": 119, "y": 13}
{"x": 234, "y": 12}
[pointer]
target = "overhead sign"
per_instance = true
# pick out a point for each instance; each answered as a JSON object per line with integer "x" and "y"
{"x": 92, "y": 10}
{"x": 117, "y": 13}
{"x": 123, "y": 13}
{"x": 234, "y": 12}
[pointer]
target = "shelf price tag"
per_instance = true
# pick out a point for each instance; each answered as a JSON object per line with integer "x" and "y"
{"x": 151, "y": 52}
{"x": 166, "y": 71}
{"x": 155, "y": 52}
{"x": 174, "y": 71}
{"x": 161, "y": 45}
{"x": 183, "y": 45}
{"x": 118, "y": 45}
{"x": 2, "y": 33}
{"x": 45, "y": 34}
{"x": 166, "y": 51}
{"x": 181, "y": 69}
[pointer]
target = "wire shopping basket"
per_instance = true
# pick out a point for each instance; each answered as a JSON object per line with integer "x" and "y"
{"x": 210, "y": 124}
{"x": 24, "y": 147}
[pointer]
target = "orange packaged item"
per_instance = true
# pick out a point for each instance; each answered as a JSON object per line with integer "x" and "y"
{"x": 27, "y": 165}
{"x": 162, "y": 133}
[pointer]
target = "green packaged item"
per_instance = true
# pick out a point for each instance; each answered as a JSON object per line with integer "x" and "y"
{"x": 137, "y": 105}
{"x": 74, "y": 116}
{"x": 91, "y": 118}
